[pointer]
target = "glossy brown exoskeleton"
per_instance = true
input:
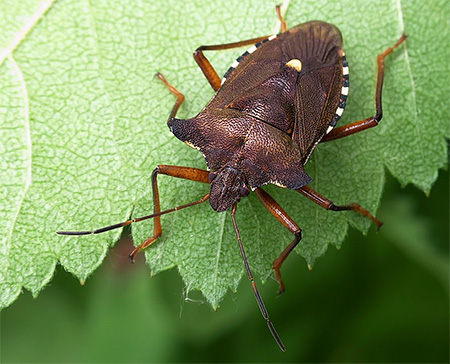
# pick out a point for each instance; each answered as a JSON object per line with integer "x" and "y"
{"x": 273, "y": 106}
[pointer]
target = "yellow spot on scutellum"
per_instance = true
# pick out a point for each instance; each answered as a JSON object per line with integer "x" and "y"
{"x": 295, "y": 63}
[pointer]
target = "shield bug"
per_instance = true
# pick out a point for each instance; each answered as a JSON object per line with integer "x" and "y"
{"x": 275, "y": 103}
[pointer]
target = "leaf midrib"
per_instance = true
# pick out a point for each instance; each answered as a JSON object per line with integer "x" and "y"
{"x": 29, "y": 153}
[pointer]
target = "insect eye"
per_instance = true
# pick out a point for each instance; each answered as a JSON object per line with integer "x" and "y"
{"x": 212, "y": 176}
{"x": 244, "y": 191}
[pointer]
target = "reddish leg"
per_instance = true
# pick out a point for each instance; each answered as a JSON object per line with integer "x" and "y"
{"x": 178, "y": 94}
{"x": 329, "y": 205}
{"x": 277, "y": 211}
{"x": 282, "y": 21}
{"x": 192, "y": 174}
{"x": 206, "y": 67}
{"x": 367, "y": 123}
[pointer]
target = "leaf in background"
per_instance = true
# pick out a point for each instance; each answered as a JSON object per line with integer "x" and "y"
{"x": 414, "y": 239}
{"x": 83, "y": 123}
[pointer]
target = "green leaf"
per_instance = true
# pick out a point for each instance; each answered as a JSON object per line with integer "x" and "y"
{"x": 82, "y": 125}
{"x": 414, "y": 239}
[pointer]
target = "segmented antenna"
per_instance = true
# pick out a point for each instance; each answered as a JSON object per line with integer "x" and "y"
{"x": 129, "y": 222}
{"x": 258, "y": 297}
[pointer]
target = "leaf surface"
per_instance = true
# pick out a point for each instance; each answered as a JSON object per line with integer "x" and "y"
{"x": 82, "y": 125}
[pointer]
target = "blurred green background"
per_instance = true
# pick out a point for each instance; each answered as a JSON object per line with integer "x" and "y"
{"x": 381, "y": 298}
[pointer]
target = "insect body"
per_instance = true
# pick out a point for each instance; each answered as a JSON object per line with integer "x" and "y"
{"x": 273, "y": 106}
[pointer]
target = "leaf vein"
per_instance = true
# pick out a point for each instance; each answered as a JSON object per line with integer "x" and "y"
{"x": 102, "y": 81}
{"x": 411, "y": 78}
{"x": 35, "y": 18}
{"x": 219, "y": 250}
{"x": 26, "y": 115}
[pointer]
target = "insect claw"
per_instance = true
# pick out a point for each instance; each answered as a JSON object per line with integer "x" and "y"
{"x": 131, "y": 256}
{"x": 281, "y": 288}
{"x": 379, "y": 225}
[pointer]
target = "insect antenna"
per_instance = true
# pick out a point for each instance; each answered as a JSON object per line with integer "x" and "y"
{"x": 129, "y": 222}
{"x": 258, "y": 297}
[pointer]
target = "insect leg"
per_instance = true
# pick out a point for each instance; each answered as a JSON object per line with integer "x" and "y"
{"x": 329, "y": 205}
{"x": 206, "y": 67}
{"x": 277, "y": 211}
{"x": 258, "y": 297}
{"x": 367, "y": 123}
{"x": 178, "y": 94}
{"x": 189, "y": 173}
{"x": 193, "y": 174}
{"x": 282, "y": 21}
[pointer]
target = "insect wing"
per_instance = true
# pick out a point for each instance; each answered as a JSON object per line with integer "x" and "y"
{"x": 319, "y": 85}
{"x": 292, "y": 81}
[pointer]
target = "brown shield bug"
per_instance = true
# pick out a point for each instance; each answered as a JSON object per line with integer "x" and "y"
{"x": 273, "y": 106}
